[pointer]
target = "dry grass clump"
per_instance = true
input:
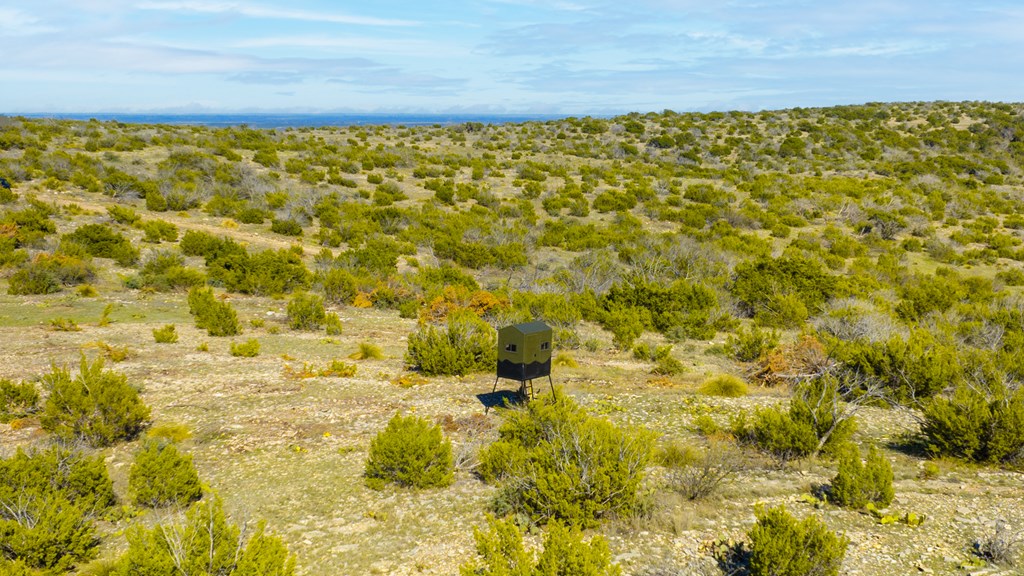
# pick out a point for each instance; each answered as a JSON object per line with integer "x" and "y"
{"x": 367, "y": 351}
{"x": 724, "y": 385}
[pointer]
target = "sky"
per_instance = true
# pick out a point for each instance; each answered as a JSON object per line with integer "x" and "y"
{"x": 502, "y": 56}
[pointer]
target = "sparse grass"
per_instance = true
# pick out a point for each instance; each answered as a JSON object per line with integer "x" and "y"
{"x": 64, "y": 325}
{"x": 169, "y": 431}
{"x": 564, "y": 359}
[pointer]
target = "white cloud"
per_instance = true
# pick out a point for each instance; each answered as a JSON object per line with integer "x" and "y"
{"x": 255, "y": 11}
{"x": 358, "y": 43}
{"x": 14, "y": 22}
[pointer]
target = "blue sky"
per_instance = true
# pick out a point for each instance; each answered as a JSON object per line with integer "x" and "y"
{"x": 493, "y": 56}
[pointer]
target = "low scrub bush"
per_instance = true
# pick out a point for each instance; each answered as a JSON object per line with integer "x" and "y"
{"x": 164, "y": 271}
{"x": 97, "y": 406}
{"x": 781, "y": 545}
{"x": 466, "y": 345}
{"x": 332, "y": 324}
{"x": 776, "y": 432}
{"x": 409, "y": 452}
{"x": 205, "y": 543}
{"x": 157, "y": 231}
{"x": 17, "y": 400}
{"x": 162, "y": 476}
{"x": 101, "y": 241}
{"x": 750, "y": 345}
{"x": 248, "y": 349}
{"x": 541, "y": 455}
{"x": 724, "y": 385}
{"x": 49, "y": 273}
{"x": 216, "y": 317}
{"x": 973, "y": 425}
{"x": 502, "y": 553}
{"x": 165, "y": 335}
{"x": 306, "y": 312}
{"x": 856, "y": 484}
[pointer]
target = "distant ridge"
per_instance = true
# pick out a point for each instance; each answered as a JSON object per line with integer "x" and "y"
{"x": 272, "y": 120}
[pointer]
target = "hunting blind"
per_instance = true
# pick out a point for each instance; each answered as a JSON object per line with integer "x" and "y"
{"x": 524, "y": 353}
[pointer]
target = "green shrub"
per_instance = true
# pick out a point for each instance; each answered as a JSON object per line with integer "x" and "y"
{"x": 165, "y": 335}
{"x": 856, "y": 484}
{"x": 123, "y": 214}
{"x": 750, "y": 346}
{"x": 409, "y": 452}
{"x": 339, "y": 286}
{"x": 774, "y": 431}
{"x": 973, "y": 425}
{"x": 97, "y": 406}
{"x": 206, "y": 543}
{"x": 818, "y": 403}
{"x": 286, "y": 227}
{"x": 159, "y": 230}
{"x": 17, "y": 400}
{"x": 541, "y": 455}
{"x": 248, "y": 349}
{"x": 164, "y": 270}
{"x": 48, "y": 533}
{"x": 161, "y": 476}
{"x": 780, "y": 545}
{"x": 332, "y": 324}
{"x": 467, "y": 345}
{"x": 80, "y": 480}
{"x": 502, "y": 553}
{"x": 102, "y": 242}
{"x": 217, "y": 318}
{"x": 665, "y": 364}
{"x": 724, "y": 385}
{"x": 49, "y": 273}
{"x": 306, "y": 312}
{"x": 47, "y": 500}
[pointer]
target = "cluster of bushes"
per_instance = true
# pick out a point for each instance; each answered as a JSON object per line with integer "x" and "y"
{"x": 555, "y": 461}
{"x": 50, "y": 273}
{"x": 230, "y": 265}
{"x": 679, "y": 310}
{"x": 216, "y": 317}
{"x": 164, "y": 271}
{"x": 101, "y": 241}
{"x": 977, "y": 425}
{"x": 501, "y": 552}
